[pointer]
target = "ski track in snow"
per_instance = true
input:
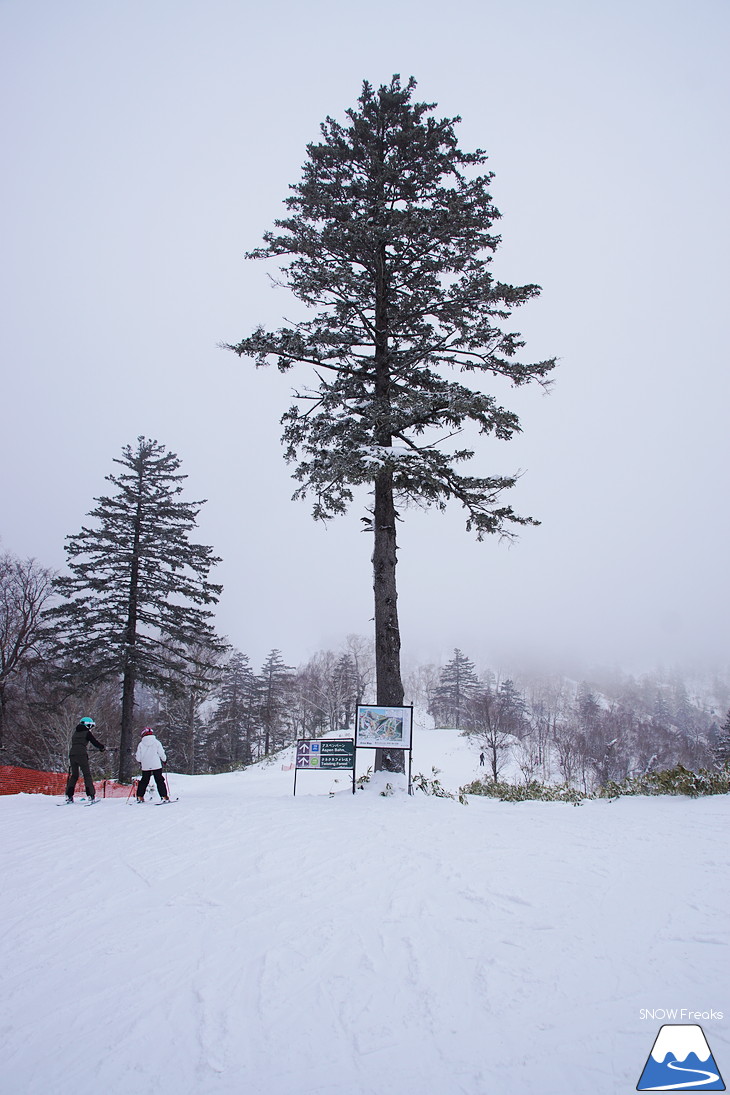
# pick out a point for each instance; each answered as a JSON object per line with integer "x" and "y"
{"x": 252, "y": 942}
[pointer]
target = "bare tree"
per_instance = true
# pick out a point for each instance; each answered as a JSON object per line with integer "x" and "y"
{"x": 489, "y": 720}
{"x": 362, "y": 655}
{"x": 570, "y": 749}
{"x": 421, "y": 684}
{"x": 25, "y": 589}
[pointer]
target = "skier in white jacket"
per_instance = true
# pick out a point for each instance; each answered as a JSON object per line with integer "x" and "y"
{"x": 151, "y": 757}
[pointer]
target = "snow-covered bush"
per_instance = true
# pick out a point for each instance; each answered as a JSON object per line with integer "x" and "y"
{"x": 434, "y": 786}
{"x": 522, "y": 792}
{"x": 671, "y": 781}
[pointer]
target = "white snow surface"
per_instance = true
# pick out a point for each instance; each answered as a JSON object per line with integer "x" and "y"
{"x": 245, "y": 942}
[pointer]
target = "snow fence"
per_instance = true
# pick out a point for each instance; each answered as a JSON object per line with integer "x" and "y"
{"x": 30, "y": 781}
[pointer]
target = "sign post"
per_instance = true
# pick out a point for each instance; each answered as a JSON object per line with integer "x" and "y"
{"x": 379, "y": 727}
{"x": 326, "y": 755}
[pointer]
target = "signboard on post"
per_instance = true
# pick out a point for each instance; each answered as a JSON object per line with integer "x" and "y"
{"x": 326, "y": 755}
{"x": 379, "y": 727}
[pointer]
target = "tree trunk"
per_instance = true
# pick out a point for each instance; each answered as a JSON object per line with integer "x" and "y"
{"x": 387, "y": 632}
{"x": 130, "y": 650}
{"x": 191, "y": 732}
{"x": 124, "y": 770}
{"x": 2, "y": 712}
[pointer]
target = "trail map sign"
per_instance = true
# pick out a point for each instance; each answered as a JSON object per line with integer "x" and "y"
{"x": 326, "y": 755}
{"x": 378, "y": 727}
{"x": 383, "y": 727}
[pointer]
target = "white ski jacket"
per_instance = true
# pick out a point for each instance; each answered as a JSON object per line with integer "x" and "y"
{"x": 150, "y": 753}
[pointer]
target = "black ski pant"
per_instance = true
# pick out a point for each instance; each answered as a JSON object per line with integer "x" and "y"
{"x": 73, "y": 774}
{"x": 159, "y": 780}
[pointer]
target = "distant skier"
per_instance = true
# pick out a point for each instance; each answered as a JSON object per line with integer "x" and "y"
{"x": 78, "y": 758}
{"x": 151, "y": 757}
{"x": 481, "y": 760}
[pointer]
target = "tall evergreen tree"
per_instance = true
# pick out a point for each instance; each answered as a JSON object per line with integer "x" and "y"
{"x": 133, "y": 601}
{"x": 389, "y": 241}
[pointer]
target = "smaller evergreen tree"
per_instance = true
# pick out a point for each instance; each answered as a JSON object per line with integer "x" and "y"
{"x": 346, "y": 691}
{"x": 196, "y": 737}
{"x": 721, "y": 748}
{"x": 236, "y": 716}
{"x": 457, "y": 682}
{"x": 134, "y": 604}
{"x": 513, "y": 708}
{"x": 588, "y": 708}
{"x": 275, "y": 684}
{"x": 660, "y": 711}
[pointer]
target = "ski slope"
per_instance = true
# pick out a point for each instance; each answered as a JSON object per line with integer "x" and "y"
{"x": 246, "y": 942}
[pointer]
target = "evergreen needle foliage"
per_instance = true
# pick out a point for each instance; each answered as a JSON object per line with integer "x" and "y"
{"x": 134, "y": 601}
{"x": 389, "y": 242}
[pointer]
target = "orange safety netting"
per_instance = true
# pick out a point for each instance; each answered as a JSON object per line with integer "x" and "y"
{"x": 29, "y": 781}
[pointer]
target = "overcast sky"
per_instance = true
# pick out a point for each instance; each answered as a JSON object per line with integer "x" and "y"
{"x": 147, "y": 144}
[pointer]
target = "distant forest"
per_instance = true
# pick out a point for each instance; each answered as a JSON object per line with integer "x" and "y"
{"x": 221, "y": 713}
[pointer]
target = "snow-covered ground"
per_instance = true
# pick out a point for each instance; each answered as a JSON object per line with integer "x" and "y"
{"x": 246, "y": 942}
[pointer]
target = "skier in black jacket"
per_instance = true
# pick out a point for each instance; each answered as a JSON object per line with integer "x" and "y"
{"x": 79, "y": 758}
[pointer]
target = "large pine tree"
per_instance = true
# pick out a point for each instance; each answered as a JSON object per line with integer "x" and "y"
{"x": 389, "y": 242}
{"x": 133, "y": 602}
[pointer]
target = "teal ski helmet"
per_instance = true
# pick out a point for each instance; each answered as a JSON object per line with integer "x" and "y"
{"x": 86, "y": 721}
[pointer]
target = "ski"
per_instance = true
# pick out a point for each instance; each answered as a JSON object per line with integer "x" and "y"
{"x": 92, "y": 803}
{"x": 165, "y": 803}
